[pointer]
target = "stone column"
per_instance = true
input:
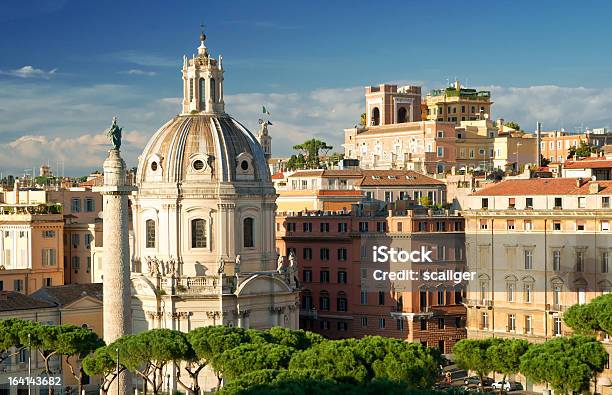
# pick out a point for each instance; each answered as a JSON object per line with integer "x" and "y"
{"x": 117, "y": 310}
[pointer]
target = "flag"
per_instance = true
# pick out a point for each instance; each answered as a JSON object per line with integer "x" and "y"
{"x": 265, "y": 111}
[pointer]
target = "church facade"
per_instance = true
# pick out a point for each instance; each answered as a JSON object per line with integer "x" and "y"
{"x": 203, "y": 219}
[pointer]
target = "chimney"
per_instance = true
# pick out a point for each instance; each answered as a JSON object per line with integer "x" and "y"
{"x": 539, "y": 142}
{"x": 594, "y": 188}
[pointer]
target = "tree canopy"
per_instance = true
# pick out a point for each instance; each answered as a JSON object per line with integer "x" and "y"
{"x": 583, "y": 150}
{"x": 566, "y": 363}
{"x": 513, "y": 125}
{"x": 310, "y": 151}
{"x": 474, "y": 355}
{"x": 360, "y": 361}
{"x": 591, "y": 318}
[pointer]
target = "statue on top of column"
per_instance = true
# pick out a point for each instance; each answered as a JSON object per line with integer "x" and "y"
{"x": 114, "y": 133}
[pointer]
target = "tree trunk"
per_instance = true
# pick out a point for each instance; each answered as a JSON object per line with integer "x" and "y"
{"x": 218, "y": 382}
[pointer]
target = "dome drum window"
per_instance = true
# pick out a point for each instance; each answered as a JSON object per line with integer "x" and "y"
{"x": 154, "y": 167}
{"x": 200, "y": 165}
{"x": 244, "y": 167}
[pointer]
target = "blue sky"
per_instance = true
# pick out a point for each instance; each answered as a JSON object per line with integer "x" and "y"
{"x": 66, "y": 67}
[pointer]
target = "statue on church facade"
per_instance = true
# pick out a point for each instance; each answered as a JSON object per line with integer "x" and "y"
{"x": 237, "y": 264}
{"x": 280, "y": 264}
{"x": 114, "y": 133}
{"x": 221, "y": 269}
{"x": 292, "y": 269}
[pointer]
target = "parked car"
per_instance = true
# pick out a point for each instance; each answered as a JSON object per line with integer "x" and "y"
{"x": 507, "y": 386}
{"x": 475, "y": 380}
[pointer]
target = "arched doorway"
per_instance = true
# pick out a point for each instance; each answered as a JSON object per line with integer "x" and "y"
{"x": 401, "y": 115}
{"x": 375, "y": 116}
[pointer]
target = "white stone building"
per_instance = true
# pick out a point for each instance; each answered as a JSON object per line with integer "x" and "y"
{"x": 203, "y": 219}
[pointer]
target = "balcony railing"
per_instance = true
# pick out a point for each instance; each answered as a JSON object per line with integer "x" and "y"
{"x": 309, "y": 313}
{"x": 556, "y": 307}
{"x": 204, "y": 285}
{"x": 128, "y": 180}
{"x": 479, "y": 303}
{"x": 30, "y": 209}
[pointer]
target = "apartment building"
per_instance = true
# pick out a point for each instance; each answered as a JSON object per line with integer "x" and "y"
{"x": 538, "y": 246}
{"x": 76, "y": 304}
{"x": 456, "y": 103}
{"x": 434, "y": 144}
{"x": 339, "y": 298}
{"x": 46, "y": 237}
{"x": 338, "y": 190}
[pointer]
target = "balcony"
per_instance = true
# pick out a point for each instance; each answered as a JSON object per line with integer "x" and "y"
{"x": 555, "y": 307}
{"x": 128, "y": 180}
{"x": 479, "y": 303}
{"x": 204, "y": 285}
{"x": 311, "y": 313}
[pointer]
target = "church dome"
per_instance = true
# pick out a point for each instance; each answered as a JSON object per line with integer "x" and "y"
{"x": 202, "y": 147}
{"x": 203, "y": 144}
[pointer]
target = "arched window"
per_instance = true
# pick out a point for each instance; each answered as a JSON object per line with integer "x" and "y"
{"x": 198, "y": 233}
{"x": 401, "y": 115}
{"x": 202, "y": 89}
{"x": 213, "y": 90}
{"x": 150, "y": 233}
{"x": 375, "y": 116}
{"x": 247, "y": 233}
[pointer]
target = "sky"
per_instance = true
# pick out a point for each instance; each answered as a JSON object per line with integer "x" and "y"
{"x": 68, "y": 66}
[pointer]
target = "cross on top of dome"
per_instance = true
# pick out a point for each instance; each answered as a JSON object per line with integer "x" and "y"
{"x": 202, "y": 48}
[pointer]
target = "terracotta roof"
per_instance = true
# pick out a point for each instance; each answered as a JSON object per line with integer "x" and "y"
{"x": 62, "y": 295}
{"x": 17, "y": 301}
{"x": 396, "y": 177}
{"x": 92, "y": 182}
{"x": 590, "y": 163}
{"x": 374, "y": 177}
{"x": 278, "y": 176}
{"x": 328, "y": 173}
{"x": 543, "y": 186}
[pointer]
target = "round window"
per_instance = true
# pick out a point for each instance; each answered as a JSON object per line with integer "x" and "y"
{"x": 154, "y": 166}
{"x": 244, "y": 165}
{"x": 198, "y": 165}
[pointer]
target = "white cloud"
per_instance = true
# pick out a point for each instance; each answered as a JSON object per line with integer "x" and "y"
{"x": 321, "y": 113}
{"x": 555, "y": 106}
{"x": 42, "y": 122}
{"x": 139, "y": 72}
{"x": 29, "y": 72}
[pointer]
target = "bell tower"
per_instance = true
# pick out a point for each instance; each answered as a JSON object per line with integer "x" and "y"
{"x": 203, "y": 82}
